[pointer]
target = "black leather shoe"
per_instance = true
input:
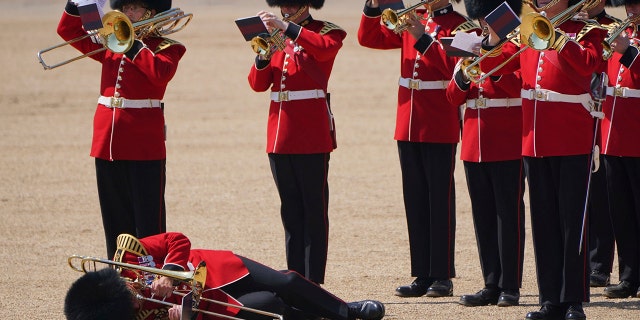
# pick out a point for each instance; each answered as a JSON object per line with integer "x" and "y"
{"x": 547, "y": 312}
{"x": 598, "y": 279}
{"x": 483, "y": 297}
{"x": 366, "y": 310}
{"x": 638, "y": 293}
{"x": 440, "y": 288}
{"x": 509, "y": 298}
{"x": 575, "y": 312}
{"x": 417, "y": 288}
{"x": 621, "y": 290}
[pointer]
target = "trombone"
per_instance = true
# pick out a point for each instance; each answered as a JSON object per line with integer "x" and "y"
{"x": 398, "y": 20}
{"x": 536, "y": 31}
{"x": 196, "y": 279}
{"x": 118, "y": 33}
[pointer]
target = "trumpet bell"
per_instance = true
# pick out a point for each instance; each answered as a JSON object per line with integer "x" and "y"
{"x": 390, "y": 19}
{"x": 260, "y": 45}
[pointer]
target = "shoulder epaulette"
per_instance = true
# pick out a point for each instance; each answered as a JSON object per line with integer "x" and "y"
{"x": 466, "y": 26}
{"x": 166, "y": 42}
{"x": 328, "y": 26}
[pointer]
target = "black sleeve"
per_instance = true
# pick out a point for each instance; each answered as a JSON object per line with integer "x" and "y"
{"x": 135, "y": 48}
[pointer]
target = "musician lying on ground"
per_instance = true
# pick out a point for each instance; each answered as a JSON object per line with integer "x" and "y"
{"x": 230, "y": 278}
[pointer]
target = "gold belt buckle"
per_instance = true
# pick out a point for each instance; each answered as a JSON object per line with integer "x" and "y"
{"x": 540, "y": 95}
{"x": 283, "y": 95}
{"x": 116, "y": 102}
{"x": 414, "y": 84}
{"x": 618, "y": 92}
{"x": 481, "y": 103}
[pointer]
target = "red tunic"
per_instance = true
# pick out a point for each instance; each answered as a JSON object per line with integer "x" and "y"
{"x": 422, "y": 115}
{"x": 172, "y": 248}
{"x": 301, "y": 126}
{"x": 129, "y": 134}
{"x": 552, "y": 128}
{"x": 621, "y": 123}
{"x": 495, "y": 133}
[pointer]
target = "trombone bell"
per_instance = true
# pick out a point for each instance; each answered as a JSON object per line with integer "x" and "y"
{"x": 117, "y": 32}
{"x": 537, "y": 31}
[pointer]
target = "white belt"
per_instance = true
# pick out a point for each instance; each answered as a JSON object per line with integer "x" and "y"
{"x": 297, "y": 95}
{"x": 548, "y": 95}
{"x": 112, "y": 102}
{"x": 423, "y": 85}
{"x": 483, "y": 103}
{"x": 623, "y": 92}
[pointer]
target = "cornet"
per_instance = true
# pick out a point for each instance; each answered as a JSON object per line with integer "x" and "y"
{"x": 118, "y": 33}
{"x": 398, "y": 20}
{"x": 196, "y": 279}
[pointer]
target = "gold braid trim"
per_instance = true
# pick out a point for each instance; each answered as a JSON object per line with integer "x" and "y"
{"x": 166, "y": 43}
{"x": 588, "y": 26}
{"x": 466, "y": 27}
{"x": 495, "y": 53}
{"x": 144, "y": 314}
{"x": 128, "y": 243}
{"x": 328, "y": 26}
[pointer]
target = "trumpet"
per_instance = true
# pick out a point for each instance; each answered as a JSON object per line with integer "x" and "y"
{"x": 196, "y": 279}
{"x": 398, "y": 20}
{"x": 267, "y": 44}
{"x": 607, "y": 51}
{"x": 118, "y": 33}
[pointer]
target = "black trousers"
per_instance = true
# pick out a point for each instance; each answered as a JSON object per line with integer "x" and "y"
{"x": 303, "y": 188}
{"x": 429, "y": 198}
{"x": 623, "y": 177}
{"x": 496, "y": 190}
{"x": 601, "y": 238}
{"x": 131, "y": 197}
{"x": 557, "y": 193}
{"x": 283, "y": 292}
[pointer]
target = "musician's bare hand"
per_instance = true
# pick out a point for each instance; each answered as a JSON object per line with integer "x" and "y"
{"x": 621, "y": 43}
{"x": 416, "y": 28}
{"x": 582, "y": 15}
{"x": 175, "y": 312}
{"x": 162, "y": 287}
{"x": 493, "y": 39}
{"x": 272, "y": 21}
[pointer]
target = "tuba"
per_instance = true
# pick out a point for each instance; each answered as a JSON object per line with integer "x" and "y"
{"x": 118, "y": 33}
{"x": 196, "y": 279}
{"x": 398, "y": 20}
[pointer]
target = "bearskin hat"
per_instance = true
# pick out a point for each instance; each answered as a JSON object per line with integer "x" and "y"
{"x": 481, "y": 8}
{"x": 158, "y": 5}
{"x": 97, "y": 295}
{"x": 316, "y": 4}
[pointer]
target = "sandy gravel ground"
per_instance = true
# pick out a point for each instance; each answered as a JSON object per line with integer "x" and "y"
{"x": 219, "y": 191}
